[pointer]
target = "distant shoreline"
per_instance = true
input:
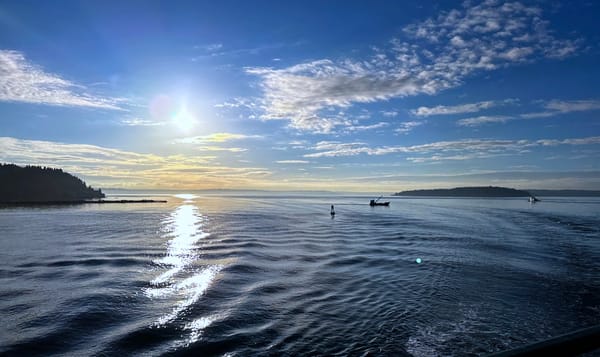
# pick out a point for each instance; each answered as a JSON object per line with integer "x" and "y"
{"x": 75, "y": 202}
{"x": 492, "y": 191}
{"x": 488, "y": 191}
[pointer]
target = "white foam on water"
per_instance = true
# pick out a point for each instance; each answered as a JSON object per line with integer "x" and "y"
{"x": 425, "y": 341}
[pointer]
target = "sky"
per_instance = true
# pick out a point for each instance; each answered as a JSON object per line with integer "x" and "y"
{"x": 376, "y": 96}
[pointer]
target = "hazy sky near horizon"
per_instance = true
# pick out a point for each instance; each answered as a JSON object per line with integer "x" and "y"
{"x": 336, "y": 95}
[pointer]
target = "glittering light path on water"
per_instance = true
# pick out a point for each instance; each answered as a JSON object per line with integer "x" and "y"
{"x": 183, "y": 281}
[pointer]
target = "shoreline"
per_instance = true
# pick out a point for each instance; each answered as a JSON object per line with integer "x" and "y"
{"x": 75, "y": 202}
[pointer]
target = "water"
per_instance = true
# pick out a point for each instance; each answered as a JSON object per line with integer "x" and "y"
{"x": 276, "y": 275}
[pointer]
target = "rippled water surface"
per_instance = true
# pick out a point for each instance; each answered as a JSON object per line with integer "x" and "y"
{"x": 277, "y": 275}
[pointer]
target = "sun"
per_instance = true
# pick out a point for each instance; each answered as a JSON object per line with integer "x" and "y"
{"x": 184, "y": 120}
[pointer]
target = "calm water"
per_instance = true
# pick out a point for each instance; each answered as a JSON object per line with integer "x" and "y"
{"x": 276, "y": 275}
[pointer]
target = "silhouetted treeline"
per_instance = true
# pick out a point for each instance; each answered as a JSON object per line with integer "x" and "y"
{"x": 35, "y": 183}
{"x": 484, "y": 191}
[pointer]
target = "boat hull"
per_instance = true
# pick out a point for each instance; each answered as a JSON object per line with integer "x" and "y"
{"x": 373, "y": 204}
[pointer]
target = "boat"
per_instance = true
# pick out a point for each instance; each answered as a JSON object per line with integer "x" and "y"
{"x": 375, "y": 203}
{"x": 532, "y": 199}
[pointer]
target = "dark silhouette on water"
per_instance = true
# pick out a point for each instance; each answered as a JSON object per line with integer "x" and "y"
{"x": 76, "y": 202}
{"x": 570, "y": 344}
{"x": 373, "y": 203}
{"x": 332, "y": 212}
{"x": 36, "y": 185}
{"x": 42, "y": 184}
{"x": 483, "y": 191}
{"x": 376, "y": 202}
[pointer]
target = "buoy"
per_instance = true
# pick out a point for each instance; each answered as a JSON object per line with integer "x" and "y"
{"x": 332, "y": 211}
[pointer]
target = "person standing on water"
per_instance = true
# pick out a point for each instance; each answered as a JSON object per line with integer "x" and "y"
{"x": 332, "y": 211}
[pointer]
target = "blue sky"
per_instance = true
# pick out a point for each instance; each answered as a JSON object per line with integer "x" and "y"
{"x": 338, "y": 95}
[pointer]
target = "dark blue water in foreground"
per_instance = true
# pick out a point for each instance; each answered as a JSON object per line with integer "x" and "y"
{"x": 247, "y": 276}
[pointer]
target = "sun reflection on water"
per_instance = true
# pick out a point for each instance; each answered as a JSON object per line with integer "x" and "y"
{"x": 185, "y": 226}
{"x": 183, "y": 280}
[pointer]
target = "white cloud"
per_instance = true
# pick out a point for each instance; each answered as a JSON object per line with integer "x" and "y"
{"x": 408, "y": 126}
{"x": 336, "y": 148}
{"x": 564, "y": 106}
{"x": 213, "y": 47}
{"x": 119, "y": 168}
{"x": 517, "y": 53}
{"x": 484, "y": 119}
{"x": 238, "y": 103}
{"x": 292, "y": 162}
{"x": 592, "y": 140}
{"x": 552, "y": 108}
{"x": 558, "y": 107}
{"x": 379, "y": 125}
{"x": 389, "y": 113}
{"x": 459, "y": 109}
{"x": 213, "y": 141}
{"x": 439, "y": 53}
{"x": 141, "y": 122}
{"x": 218, "y": 49}
{"x": 22, "y": 81}
{"x": 451, "y": 150}
{"x": 215, "y": 138}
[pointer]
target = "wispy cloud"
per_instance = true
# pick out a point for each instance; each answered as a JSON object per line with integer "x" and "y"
{"x": 215, "y": 138}
{"x": 459, "y": 109}
{"x": 437, "y": 54}
{"x": 558, "y": 107}
{"x": 524, "y": 179}
{"x": 219, "y": 148}
{"x": 448, "y": 150}
{"x": 573, "y": 105}
{"x": 484, "y": 119}
{"x": 23, "y": 81}
{"x": 354, "y": 128}
{"x": 551, "y": 108}
{"x": 212, "y": 141}
{"x": 389, "y": 113}
{"x": 141, "y": 122}
{"x": 218, "y": 49}
{"x": 118, "y": 168}
{"x": 408, "y": 126}
{"x": 212, "y": 47}
{"x": 292, "y": 162}
{"x": 238, "y": 103}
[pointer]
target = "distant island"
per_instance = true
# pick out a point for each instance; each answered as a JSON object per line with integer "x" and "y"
{"x": 42, "y": 184}
{"x": 483, "y": 191}
{"x": 36, "y": 185}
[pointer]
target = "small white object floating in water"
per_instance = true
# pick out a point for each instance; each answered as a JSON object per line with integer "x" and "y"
{"x": 418, "y": 260}
{"x": 332, "y": 211}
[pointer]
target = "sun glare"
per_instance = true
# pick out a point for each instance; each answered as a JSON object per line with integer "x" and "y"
{"x": 184, "y": 120}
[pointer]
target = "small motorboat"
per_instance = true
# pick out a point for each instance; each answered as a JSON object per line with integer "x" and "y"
{"x": 375, "y": 203}
{"x": 533, "y": 199}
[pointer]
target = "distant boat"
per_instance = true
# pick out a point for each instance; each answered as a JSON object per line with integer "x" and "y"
{"x": 375, "y": 203}
{"x": 532, "y": 199}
